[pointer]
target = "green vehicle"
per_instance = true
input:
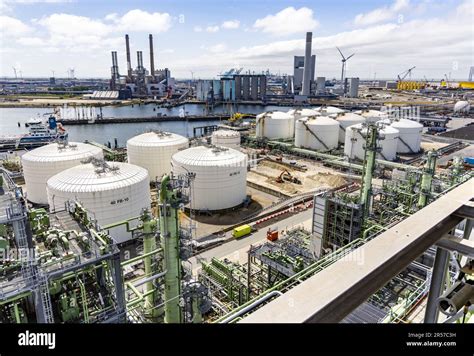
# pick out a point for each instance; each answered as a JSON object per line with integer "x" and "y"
{"x": 242, "y": 230}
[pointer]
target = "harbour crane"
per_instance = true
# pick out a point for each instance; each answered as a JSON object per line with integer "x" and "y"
{"x": 404, "y": 74}
{"x": 343, "y": 60}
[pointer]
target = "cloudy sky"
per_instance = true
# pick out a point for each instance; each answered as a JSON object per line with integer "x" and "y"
{"x": 207, "y": 37}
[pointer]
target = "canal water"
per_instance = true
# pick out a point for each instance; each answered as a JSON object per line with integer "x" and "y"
{"x": 10, "y": 117}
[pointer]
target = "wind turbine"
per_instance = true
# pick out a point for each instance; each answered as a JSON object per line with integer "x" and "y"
{"x": 343, "y": 60}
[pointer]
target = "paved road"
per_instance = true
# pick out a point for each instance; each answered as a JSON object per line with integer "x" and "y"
{"x": 236, "y": 245}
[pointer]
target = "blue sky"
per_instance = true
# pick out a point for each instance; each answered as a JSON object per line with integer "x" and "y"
{"x": 208, "y": 37}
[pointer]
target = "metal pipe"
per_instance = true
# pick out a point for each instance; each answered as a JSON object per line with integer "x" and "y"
{"x": 138, "y": 258}
{"x": 170, "y": 243}
{"x": 250, "y": 307}
{"x": 148, "y": 279}
{"x": 369, "y": 167}
{"x": 459, "y": 314}
{"x": 437, "y": 282}
{"x": 428, "y": 173}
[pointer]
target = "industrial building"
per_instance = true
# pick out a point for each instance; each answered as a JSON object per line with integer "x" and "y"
{"x": 233, "y": 87}
{"x": 141, "y": 82}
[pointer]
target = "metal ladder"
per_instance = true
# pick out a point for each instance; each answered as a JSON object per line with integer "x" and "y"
{"x": 406, "y": 145}
{"x": 314, "y": 135}
{"x": 45, "y": 298}
{"x": 17, "y": 215}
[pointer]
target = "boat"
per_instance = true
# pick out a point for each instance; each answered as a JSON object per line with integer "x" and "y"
{"x": 34, "y": 121}
{"x": 40, "y": 134}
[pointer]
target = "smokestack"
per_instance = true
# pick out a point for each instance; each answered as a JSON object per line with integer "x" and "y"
{"x": 152, "y": 59}
{"x": 114, "y": 63}
{"x": 307, "y": 65}
{"x": 129, "y": 62}
{"x": 140, "y": 60}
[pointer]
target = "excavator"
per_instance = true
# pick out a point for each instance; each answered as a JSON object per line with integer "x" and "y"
{"x": 286, "y": 176}
{"x": 238, "y": 117}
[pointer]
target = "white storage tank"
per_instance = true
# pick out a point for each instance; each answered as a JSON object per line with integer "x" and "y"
{"x": 110, "y": 192}
{"x": 221, "y": 176}
{"x": 299, "y": 113}
{"x": 345, "y": 120}
{"x": 275, "y": 125}
{"x": 462, "y": 106}
{"x": 226, "y": 138}
{"x": 372, "y": 115}
{"x": 330, "y": 110}
{"x": 153, "y": 151}
{"x": 44, "y": 162}
{"x": 409, "y": 140}
{"x": 318, "y": 133}
{"x": 354, "y": 145}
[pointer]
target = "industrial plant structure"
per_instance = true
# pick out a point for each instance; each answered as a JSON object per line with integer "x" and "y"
{"x": 140, "y": 82}
{"x": 119, "y": 242}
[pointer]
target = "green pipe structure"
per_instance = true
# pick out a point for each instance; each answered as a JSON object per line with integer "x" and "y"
{"x": 369, "y": 167}
{"x": 317, "y": 266}
{"x": 168, "y": 213}
{"x": 456, "y": 170}
{"x": 427, "y": 178}
{"x": 15, "y": 298}
{"x": 141, "y": 257}
{"x": 332, "y": 158}
{"x": 149, "y": 245}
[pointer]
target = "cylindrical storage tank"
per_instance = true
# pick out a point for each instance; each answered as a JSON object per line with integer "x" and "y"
{"x": 345, "y": 120}
{"x": 330, "y": 110}
{"x": 111, "y": 193}
{"x": 275, "y": 125}
{"x": 221, "y": 176}
{"x": 226, "y": 138}
{"x": 462, "y": 106}
{"x": 354, "y": 145}
{"x": 372, "y": 115}
{"x": 153, "y": 151}
{"x": 44, "y": 162}
{"x": 318, "y": 133}
{"x": 300, "y": 113}
{"x": 409, "y": 140}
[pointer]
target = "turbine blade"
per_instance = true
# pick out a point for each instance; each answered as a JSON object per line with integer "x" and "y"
{"x": 340, "y": 52}
{"x": 350, "y": 56}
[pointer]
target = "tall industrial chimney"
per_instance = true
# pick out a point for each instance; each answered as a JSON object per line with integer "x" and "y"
{"x": 139, "y": 60}
{"x": 115, "y": 64}
{"x": 152, "y": 59}
{"x": 129, "y": 63}
{"x": 307, "y": 66}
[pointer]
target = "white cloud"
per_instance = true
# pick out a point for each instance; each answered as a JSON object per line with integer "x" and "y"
{"x": 212, "y": 29}
{"x": 288, "y": 21}
{"x": 139, "y": 20}
{"x": 31, "y": 41}
{"x": 386, "y": 49}
{"x": 111, "y": 17}
{"x": 197, "y": 29}
{"x": 381, "y": 14}
{"x": 10, "y": 26}
{"x": 73, "y": 25}
{"x": 231, "y": 24}
{"x": 166, "y": 51}
{"x": 4, "y": 7}
{"x": 221, "y": 47}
